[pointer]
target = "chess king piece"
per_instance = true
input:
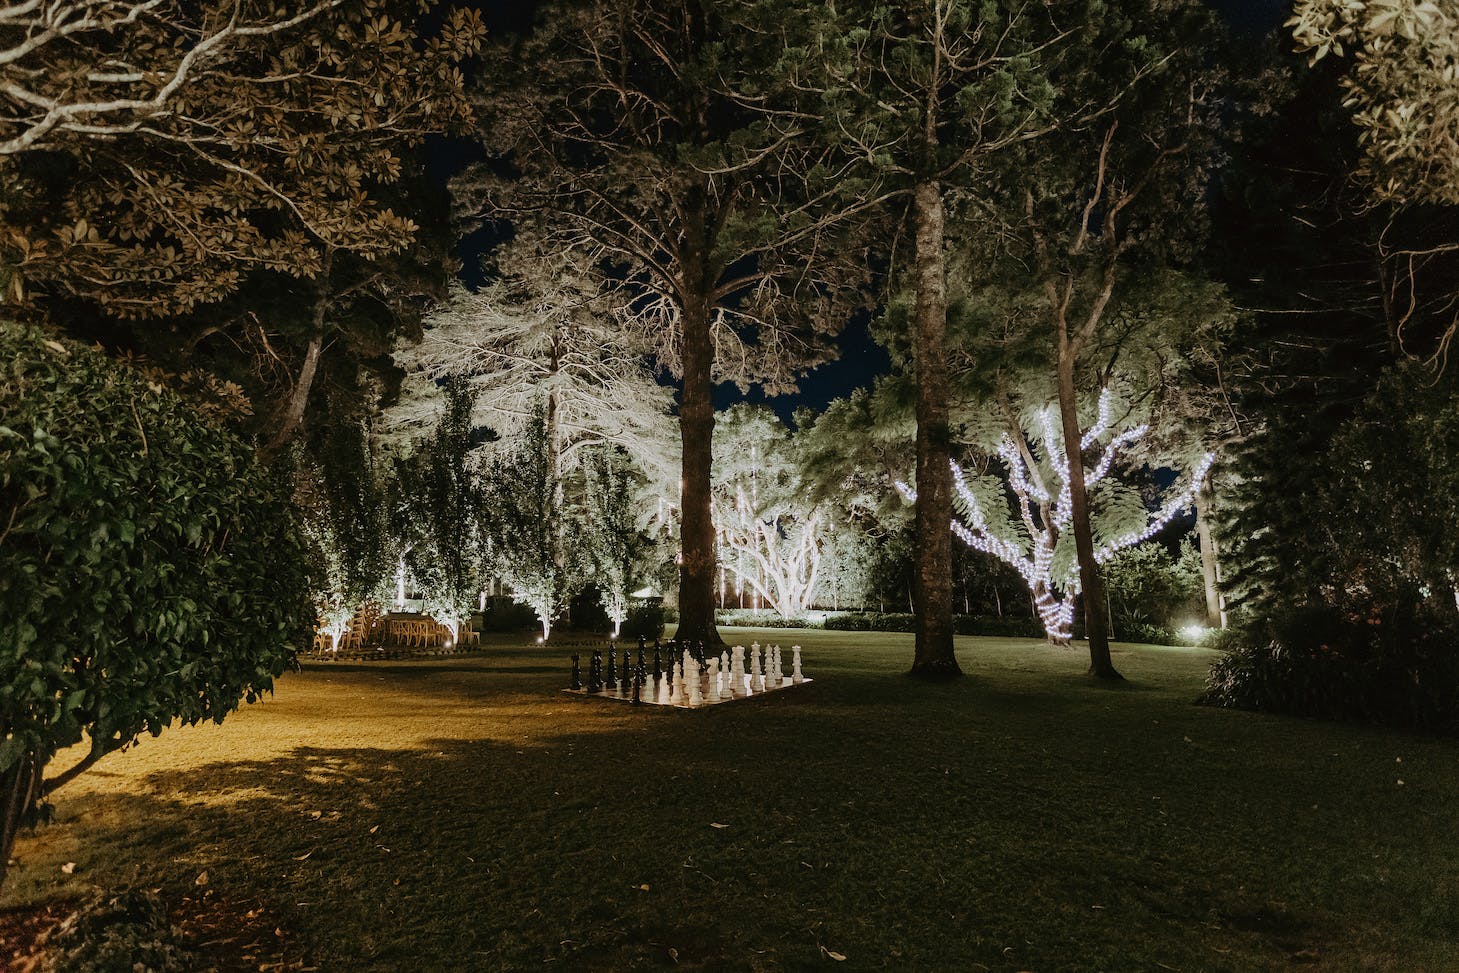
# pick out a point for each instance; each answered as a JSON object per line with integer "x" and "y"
{"x": 577, "y": 673}
{"x": 627, "y": 674}
{"x": 612, "y": 667}
{"x": 778, "y": 670}
{"x": 724, "y": 676}
{"x": 796, "y": 678}
{"x": 737, "y": 670}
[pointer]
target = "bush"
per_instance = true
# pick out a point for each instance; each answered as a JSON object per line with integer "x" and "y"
{"x": 644, "y": 621}
{"x": 152, "y": 570}
{"x": 505, "y": 615}
{"x": 748, "y": 618}
{"x": 871, "y": 622}
{"x": 1321, "y": 663}
{"x": 1009, "y": 627}
{"x": 1148, "y": 633}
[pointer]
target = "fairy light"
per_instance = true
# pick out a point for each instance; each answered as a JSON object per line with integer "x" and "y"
{"x": 1033, "y": 556}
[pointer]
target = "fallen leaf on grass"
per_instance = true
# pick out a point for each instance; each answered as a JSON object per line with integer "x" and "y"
{"x": 202, "y": 879}
{"x": 716, "y": 824}
{"x": 374, "y": 829}
{"x": 299, "y": 858}
{"x": 643, "y": 888}
{"x": 832, "y": 954}
{"x": 68, "y": 868}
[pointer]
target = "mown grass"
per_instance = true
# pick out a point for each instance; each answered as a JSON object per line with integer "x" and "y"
{"x": 463, "y": 814}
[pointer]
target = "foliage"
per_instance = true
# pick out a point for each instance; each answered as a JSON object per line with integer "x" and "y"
{"x": 871, "y": 622}
{"x": 1323, "y": 662}
{"x": 151, "y": 569}
{"x": 437, "y": 509}
{"x": 643, "y": 622}
{"x": 1400, "y": 85}
{"x": 546, "y": 325}
{"x": 1148, "y": 586}
{"x": 749, "y": 618}
{"x": 164, "y": 149}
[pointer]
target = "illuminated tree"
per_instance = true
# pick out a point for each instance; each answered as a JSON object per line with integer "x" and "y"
{"x": 1022, "y": 516}
{"x": 673, "y": 138}
{"x": 771, "y": 532}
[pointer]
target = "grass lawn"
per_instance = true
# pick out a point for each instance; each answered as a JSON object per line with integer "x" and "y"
{"x": 464, "y": 814}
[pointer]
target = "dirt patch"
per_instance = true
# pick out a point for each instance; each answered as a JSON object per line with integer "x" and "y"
{"x": 24, "y": 930}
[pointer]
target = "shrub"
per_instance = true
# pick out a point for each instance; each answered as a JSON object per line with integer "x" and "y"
{"x": 1321, "y": 663}
{"x": 644, "y": 621}
{"x": 994, "y": 627}
{"x": 1148, "y": 634}
{"x": 505, "y": 615}
{"x": 747, "y": 618}
{"x": 152, "y": 570}
{"x": 871, "y": 622}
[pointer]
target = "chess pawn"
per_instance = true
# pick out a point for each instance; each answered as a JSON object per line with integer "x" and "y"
{"x": 737, "y": 670}
{"x": 696, "y": 692}
{"x": 663, "y": 696}
{"x": 795, "y": 674}
{"x": 577, "y": 673}
{"x": 612, "y": 667}
{"x": 714, "y": 679}
{"x": 676, "y": 685}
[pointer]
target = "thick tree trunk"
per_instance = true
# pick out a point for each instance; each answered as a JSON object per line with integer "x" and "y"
{"x": 932, "y": 576}
{"x": 1215, "y": 617}
{"x": 696, "y": 526}
{"x": 1096, "y": 617}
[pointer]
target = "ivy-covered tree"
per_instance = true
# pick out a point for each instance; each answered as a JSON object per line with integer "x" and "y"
{"x": 437, "y": 506}
{"x": 613, "y": 529}
{"x": 530, "y": 541}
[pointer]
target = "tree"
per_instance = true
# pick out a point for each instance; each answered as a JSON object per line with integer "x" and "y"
{"x": 1088, "y": 205}
{"x": 544, "y": 330}
{"x": 160, "y": 152}
{"x": 436, "y": 513}
{"x": 527, "y": 528}
{"x": 150, "y": 567}
{"x": 670, "y": 138}
{"x": 770, "y": 529}
{"x": 1036, "y": 474}
{"x": 613, "y": 531}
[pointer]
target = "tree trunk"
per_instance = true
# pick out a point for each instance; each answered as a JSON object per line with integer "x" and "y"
{"x": 293, "y": 412}
{"x": 21, "y": 785}
{"x": 696, "y": 526}
{"x": 1096, "y": 618}
{"x": 932, "y": 576}
{"x": 1215, "y": 617}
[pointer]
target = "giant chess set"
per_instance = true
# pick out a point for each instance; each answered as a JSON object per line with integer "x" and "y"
{"x": 682, "y": 674}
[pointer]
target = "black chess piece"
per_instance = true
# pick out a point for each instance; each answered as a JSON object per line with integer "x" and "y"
{"x": 612, "y": 667}
{"x": 641, "y": 643}
{"x": 637, "y": 699}
{"x": 658, "y": 662}
{"x": 627, "y": 673}
{"x": 577, "y": 673}
{"x": 595, "y": 672}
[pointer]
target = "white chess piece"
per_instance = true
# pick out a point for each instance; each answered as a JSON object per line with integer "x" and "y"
{"x": 713, "y": 679}
{"x": 757, "y": 679}
{"x": 662, "y": 696}
{"x": 696, "y": 692}
{"x": 737, "y": 670}
{"x": 795, "y": 675}
{"x": 676, "y": 685}
{"x": 772, "y": 677}
{"x": 724, "y": 675}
